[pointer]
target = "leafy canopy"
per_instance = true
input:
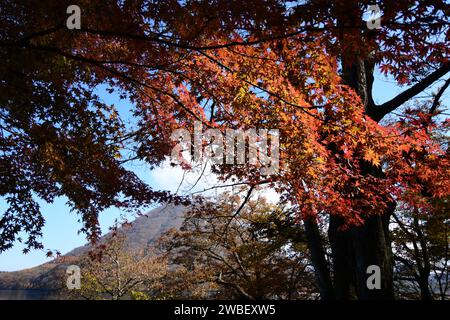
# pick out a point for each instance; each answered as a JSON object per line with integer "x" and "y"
{"x": 265, "y": 64}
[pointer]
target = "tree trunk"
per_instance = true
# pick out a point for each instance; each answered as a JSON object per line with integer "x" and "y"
{"x": 342, "y": 254}
{"x": 372, "y": 247}
{"x": 317, "y": 253}
{"x": 423, "y": 264}
{"x": 356, "y": 249}
{"x": 425, "y": 293}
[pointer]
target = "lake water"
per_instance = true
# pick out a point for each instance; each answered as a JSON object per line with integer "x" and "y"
{"x": 27, "y": 295}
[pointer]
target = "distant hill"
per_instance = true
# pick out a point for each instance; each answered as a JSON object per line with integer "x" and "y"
{"x": 142, "y": 232}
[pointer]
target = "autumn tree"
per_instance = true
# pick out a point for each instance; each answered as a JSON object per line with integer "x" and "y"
{"x": 257, "y": 254}
{"x": 306, "y": 68}
{"x": 421, "y": 241}
{"x": 113, "y": 271}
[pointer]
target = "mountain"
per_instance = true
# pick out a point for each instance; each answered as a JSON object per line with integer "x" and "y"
{"x": 142, "y": 232}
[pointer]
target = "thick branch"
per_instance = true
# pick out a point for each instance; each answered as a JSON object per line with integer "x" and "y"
{"x": 438, "y": 96}
{"x": 378, "y": 112}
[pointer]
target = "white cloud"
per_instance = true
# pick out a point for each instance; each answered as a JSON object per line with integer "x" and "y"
{"x": 196, "y": 180}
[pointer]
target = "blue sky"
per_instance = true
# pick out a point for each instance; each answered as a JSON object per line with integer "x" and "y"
{"x": 61, "y": 228}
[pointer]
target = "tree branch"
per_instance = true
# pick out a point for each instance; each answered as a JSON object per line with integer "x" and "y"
{"x": 438, "y": 96}
{"x": 235, "y": 286}
{"x": 378, "y": 112}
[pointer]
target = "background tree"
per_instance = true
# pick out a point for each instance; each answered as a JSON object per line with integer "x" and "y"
{"x": 113, "y": 271}
{"x": 258, "y": 254}
{"x": 421, "y": 243}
